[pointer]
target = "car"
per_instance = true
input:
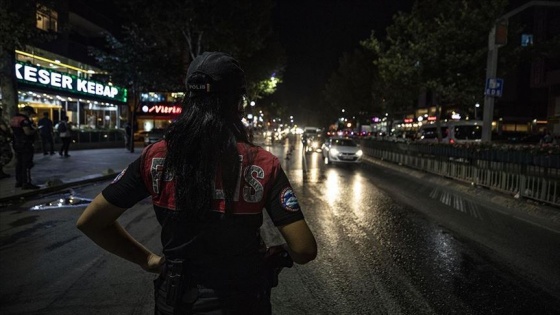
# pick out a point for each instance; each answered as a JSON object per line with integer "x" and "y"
{"x": 401, "y": 136}
{"x": 452, "y": 132}
{"x": 154, "y": 136}
{"x": 312, "y": 139}
{"x": 342, "y": 151}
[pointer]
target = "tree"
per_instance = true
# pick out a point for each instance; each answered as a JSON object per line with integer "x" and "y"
{"x": 396, "y": 83}
{"x": 441, "y": 46}
{"x": 159, "y": 40}
{"x": 187, "y": 27}
{"x": 350, "y": 86}
{"x": 136, "y": 62}
{"x": 18, "y": 21}
{"x": 264, "y": 69}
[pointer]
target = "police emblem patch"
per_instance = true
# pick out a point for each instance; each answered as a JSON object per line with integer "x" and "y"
{"x": 121, "y": 174}
{"x": 288, "y": 200}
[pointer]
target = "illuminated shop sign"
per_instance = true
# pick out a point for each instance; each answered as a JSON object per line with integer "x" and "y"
{"x": 44, "y": 77}
{"x": 163, "y": 109}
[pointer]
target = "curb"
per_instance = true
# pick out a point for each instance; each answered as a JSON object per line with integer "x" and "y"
{"x": 82, "y": 181}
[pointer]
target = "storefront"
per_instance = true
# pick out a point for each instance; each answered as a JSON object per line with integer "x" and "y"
{"x": 89, "y": 104}
{"x": 158, "y": 110}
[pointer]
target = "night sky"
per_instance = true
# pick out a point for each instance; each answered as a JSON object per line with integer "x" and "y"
{"x": 315, "y": 33}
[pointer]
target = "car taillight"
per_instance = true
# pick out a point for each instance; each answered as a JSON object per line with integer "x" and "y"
{"x": 451, "y": 141}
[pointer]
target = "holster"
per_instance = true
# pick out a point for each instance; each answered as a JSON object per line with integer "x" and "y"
{"x": 174, "y": 281}
{"x": 169, "y": 287}
{"x": 275, "y": 259}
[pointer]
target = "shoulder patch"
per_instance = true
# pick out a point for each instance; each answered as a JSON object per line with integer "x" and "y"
{"x": 121, "y": 174}
{"x": 288, "y": 200}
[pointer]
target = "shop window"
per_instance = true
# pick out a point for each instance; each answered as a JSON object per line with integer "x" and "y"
{"x": 47, "y": 19}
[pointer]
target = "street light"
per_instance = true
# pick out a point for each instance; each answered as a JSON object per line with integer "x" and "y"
{"x": 476, "y": 106}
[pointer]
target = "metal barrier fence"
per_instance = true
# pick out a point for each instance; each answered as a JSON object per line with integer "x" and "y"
{"x": 522, "y": 174}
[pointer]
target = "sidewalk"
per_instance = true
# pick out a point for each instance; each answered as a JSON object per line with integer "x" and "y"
{"x": 53, "y": 172}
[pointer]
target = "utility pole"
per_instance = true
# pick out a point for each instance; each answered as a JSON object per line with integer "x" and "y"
{"x": 491, "y": 63}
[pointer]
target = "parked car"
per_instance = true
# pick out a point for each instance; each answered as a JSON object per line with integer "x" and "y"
{"x": 452, "y": 132}
{"x": 341, "y": 150}
{"x": 153, "y": 136}
{"x": 401, "y": 136}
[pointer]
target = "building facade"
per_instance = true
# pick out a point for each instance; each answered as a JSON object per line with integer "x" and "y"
{"x": 60, "y": 77}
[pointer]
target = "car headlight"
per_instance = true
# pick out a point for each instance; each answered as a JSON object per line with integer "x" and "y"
{"x": 334, "y": 151}
{"x": 359, "y": 153}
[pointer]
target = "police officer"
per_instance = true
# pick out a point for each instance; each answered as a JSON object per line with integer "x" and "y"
{"x": 46, "y": 131}
{"x": 24, "y": 133}
{"x": 208, "y": 184}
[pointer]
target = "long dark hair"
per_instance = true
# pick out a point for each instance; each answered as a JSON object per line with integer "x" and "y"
{"x": 201, "y": 143}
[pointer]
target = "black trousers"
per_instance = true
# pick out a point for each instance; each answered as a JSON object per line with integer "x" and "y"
{"x": 65, "y": 145}
{"x": 24, "y": 163}
{"x": 47, "y": 140}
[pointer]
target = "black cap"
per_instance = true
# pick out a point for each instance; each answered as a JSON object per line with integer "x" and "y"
{"x": 215, "y": 72}
{"x": 29, "y": 109}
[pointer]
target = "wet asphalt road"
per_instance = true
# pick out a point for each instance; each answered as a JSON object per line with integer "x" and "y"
{"x": 387, "y": 245}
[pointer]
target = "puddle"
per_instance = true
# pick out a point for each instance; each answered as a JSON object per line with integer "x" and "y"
{"x": 65, "y": 202}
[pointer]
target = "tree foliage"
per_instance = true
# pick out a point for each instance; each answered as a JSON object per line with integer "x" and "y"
{"x": 350, "y": 86}
{"x": 139, "y": 63}
{"x": 17, "y": 29}
{"x": 177, "y": 31}
{"x": 440, "y": 46}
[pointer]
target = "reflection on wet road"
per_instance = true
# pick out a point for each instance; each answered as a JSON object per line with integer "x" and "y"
{"x": 378, "y": 256}
{"x": 63, "y": 202}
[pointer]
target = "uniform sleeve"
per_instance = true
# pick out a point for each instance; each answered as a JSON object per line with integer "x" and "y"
{"x": 127, "y": 188}
{"x": 282, "y": 205}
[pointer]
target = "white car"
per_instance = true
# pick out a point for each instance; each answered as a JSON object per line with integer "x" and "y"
{"x": 342, "y": 150}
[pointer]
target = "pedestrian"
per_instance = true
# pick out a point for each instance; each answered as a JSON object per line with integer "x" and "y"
{"x": 64, "y": 129}
{"x": 24, "y": 132}
{"x": 46, "y": 132}
{"x": 208, "y": 186}
{"x": 6, "y": 154}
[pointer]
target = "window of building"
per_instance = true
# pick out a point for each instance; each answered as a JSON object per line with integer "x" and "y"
{"x": 47, "y": 19}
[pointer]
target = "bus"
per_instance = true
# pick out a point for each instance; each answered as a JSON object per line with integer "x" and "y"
{"x": 457, "y": 131}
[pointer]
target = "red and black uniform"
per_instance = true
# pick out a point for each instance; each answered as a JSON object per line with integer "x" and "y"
{"x": 223, "y": 254}
{"x": 23, "y": 148}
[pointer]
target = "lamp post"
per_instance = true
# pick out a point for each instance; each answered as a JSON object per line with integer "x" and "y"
{"x": 476, "y": 106}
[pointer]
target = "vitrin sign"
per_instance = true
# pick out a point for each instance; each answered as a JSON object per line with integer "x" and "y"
{"x": 44, "y": 77}
{"x": 160, "y": 109}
